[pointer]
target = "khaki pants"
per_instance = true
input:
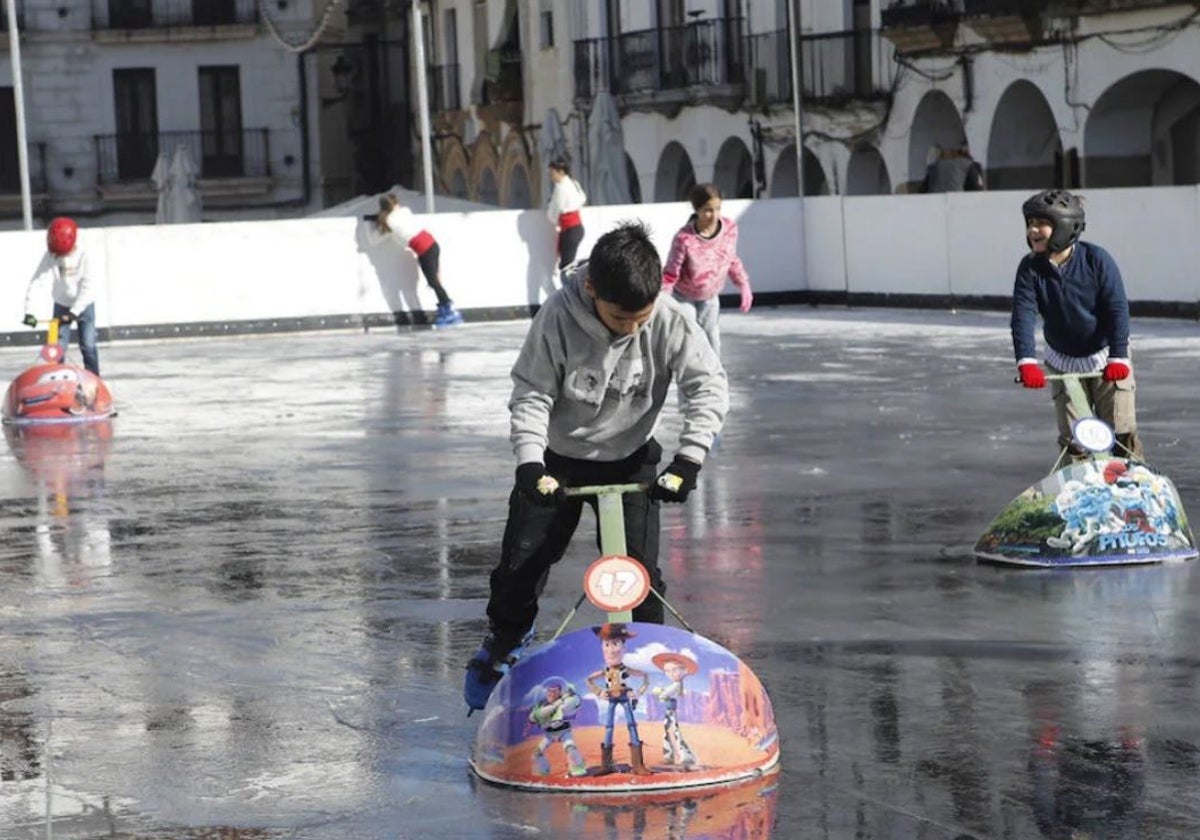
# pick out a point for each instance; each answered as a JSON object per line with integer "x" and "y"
{"x": 1112, "y": 402}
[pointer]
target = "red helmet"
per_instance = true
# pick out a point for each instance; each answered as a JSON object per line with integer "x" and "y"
{"x": 60, "y": 236}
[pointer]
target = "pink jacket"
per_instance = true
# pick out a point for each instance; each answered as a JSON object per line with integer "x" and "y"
{"x": 696, "y": 268}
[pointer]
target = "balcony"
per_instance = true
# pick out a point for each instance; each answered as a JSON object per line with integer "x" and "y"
{"x": 121, "y": 21}
{"x": 1007, "y": 21}
{"x": 703, "y": 60}
{"x": 916, "y": 26}
{"x": 444, "y": 88}
{"x": 232, "y": 163}
{"x": 837, "y": 66}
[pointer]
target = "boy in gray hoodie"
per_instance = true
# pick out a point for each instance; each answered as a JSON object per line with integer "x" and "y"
{"x": 588, "y": 388}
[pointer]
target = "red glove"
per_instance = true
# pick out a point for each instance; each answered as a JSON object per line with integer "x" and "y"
{"x": 1116, "y": 370}
{"x": 1032, "y": 376}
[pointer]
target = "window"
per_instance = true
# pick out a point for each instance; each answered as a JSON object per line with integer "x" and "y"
{"x": 130, "y": 14}
{"x": 220, "y": 122}
{"x": 213, "y": 12}
{"x": 546, "y": 17}
{"x": 135, "y": 106}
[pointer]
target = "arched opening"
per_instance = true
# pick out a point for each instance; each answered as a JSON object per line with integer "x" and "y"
{"x": 489, "y": 193}
{"x": 675, "y": 176}
{"x": 1031, "y": 158}
{"x": 635, "y": 183}
{"x": 520, "y": 195}
{"x": 734, "y": 171}
{"x": 936, "y": 125}
{"x": 1143, "y": 131}
{"x": 867, "y": 173}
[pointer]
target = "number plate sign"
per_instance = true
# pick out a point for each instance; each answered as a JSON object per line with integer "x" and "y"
{"x": 616, "y": 583}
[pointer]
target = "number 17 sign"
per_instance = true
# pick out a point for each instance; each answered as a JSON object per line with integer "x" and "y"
{"x": 616, "y": 583}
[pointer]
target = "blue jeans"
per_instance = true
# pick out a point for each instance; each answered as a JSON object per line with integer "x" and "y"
{"x": 87, "y": 335}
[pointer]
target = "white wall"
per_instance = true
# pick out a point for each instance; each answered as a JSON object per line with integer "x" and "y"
{"x": 964, "y": 244}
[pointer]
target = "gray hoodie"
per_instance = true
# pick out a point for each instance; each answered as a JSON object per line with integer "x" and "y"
{"x": 588, "y": 394}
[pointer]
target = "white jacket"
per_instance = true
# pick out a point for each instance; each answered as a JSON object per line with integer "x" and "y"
{"x": 72, "y": 282}
{"x": 567, "y": 197}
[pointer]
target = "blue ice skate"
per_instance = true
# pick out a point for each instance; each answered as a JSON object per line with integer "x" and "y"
{"x": 447, "y": 316}
{"x": 485, "y": 668}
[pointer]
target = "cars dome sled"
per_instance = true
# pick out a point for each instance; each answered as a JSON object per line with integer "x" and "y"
{"x": 622, "y": 706}
{"x": 1103, "y": 510}
{"x": 53, "y": 391}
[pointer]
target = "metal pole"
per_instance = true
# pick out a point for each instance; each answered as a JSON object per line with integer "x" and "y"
{"x": 14, "y": 51}
{"x": 793, "y": 16}
{"x": 418, "y": 30}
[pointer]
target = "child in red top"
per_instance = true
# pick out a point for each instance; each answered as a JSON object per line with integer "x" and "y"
{"x": 702, "y": 256}
{"x": 397, "y": 221}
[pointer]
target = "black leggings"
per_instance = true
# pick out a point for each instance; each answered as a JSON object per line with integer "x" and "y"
{"x": 536, "y": 537}
{"x": 429, "y": 267}
{"x": 568, "y": 245}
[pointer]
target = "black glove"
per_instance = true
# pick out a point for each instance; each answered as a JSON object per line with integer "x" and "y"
{"x": 66, "y": 318}
{"x": 29, "y": 321}
{"x": 539, "y": 486}
{"x": 676, "y": 481}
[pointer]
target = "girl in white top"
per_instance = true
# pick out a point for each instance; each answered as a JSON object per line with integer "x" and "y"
{"x": 397, "y": 222}
{"x": 566, "y": 200}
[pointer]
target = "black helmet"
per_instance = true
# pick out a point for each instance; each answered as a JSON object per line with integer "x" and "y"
{"x": 1062, "y": 208}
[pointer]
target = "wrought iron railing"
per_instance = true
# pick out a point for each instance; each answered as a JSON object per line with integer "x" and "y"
{"x": 857, "y": 63}
{"x": 920, "y": 12}
{"x": 10, "y": 169}
{"x": 168, "y": 14}
{"x": 707, "y": 52}
{"x": 219, "y": 154}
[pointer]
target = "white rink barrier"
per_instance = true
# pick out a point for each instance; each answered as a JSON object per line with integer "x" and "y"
{"x": 307, "y": 273}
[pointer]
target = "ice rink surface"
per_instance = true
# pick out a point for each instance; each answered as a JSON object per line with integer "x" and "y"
{"x": 248, "y": 609}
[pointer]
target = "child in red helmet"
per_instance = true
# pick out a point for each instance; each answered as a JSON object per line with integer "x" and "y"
{"x": 72, "y": 286}
{"x": 1076, "y": 288}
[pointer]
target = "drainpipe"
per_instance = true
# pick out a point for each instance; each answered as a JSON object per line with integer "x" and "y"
{"x": 305, "y": 153}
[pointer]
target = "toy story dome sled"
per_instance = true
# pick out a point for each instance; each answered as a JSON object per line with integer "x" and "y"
{"x": 622, "y": 706}
{"x": 54, "y": 391}
{"x": 1098, "y": 510}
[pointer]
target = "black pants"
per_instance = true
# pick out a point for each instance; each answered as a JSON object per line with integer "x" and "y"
{"x": 568, "y": 245}
{"x": 429, "y": 267}
{"x": 536, "y": 537}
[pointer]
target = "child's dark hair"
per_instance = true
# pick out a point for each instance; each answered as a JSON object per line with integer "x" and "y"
{"x": 625, "y": 268}
{"x": 562, "y": 165}
{"x": 701, "y": 194}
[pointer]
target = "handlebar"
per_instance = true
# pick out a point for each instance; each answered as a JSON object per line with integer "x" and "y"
{"x": 600, "y": 489}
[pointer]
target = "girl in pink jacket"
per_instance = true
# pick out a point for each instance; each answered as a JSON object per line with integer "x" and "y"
{"x": 702, "y": 256}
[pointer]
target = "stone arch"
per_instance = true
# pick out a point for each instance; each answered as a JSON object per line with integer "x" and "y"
{"x": 515, "y": 186}
{"x": 936, "y": 123}
{"x": 734, "y": 170}
{"x": 454, "y": 168}
{"x": 635, "y": 182}
{"x": 674, "y": 176}
{"x": 1031, "y": 158}
{"x": 484, "y": 165}
{"x": 517, "y": 191}
{"x": 1144, "y": 131}
{"x": 867, "y": 172}
{"x": 783, "y": 178}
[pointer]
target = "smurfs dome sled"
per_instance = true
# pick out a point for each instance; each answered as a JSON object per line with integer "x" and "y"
{"x": 622, "y": 706}
{"x": 1102, "y": 510}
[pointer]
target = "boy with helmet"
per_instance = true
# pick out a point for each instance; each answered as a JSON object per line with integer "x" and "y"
{"x": 65, "y": 267}
{"x": 1076, "y": 288}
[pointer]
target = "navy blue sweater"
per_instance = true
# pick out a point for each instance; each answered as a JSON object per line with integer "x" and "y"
{"x": 1082, "y": 304}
